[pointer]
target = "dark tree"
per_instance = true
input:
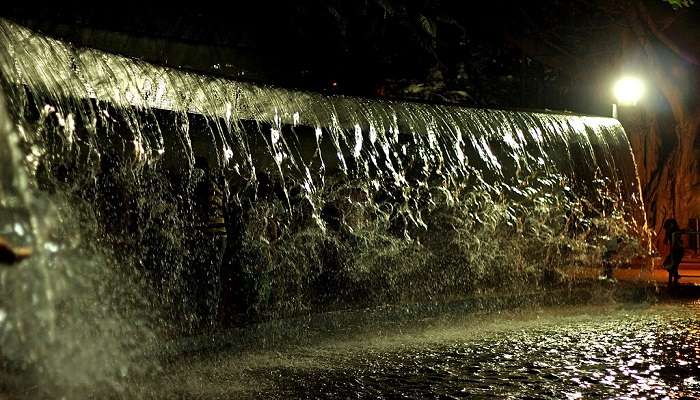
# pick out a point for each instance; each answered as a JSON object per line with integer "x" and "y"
{"x": 660, "y": 41}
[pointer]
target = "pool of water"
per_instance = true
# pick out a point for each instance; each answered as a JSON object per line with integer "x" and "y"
{"x": 554, "y": 352}
{"x": 618, "y": 351}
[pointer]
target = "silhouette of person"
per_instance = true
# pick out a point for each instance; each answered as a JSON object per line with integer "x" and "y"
{"x": 612, "y": 247}
{"x": 675, "y": 241}
{"x": 10, "y": 255}
{"x": 210, "y": 242}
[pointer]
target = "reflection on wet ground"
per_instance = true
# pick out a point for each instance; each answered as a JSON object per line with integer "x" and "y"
{"x": 562, "y": 352}
{"x": 630, "y": 356}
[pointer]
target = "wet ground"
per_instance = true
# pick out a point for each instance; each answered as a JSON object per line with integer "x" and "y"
{"x": 605, "y": 340}
{"x": 606, "y": 351}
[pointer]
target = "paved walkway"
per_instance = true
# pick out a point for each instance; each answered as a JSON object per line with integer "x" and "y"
{"x": 690, "y": 274}
{"x": 689, "y": 271}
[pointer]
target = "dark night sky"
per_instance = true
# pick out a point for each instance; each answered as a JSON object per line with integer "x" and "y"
{"x": 308, "y": 37}
{"x": 356, "y": 43}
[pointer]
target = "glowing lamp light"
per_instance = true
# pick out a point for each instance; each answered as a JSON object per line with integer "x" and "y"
{"x": 628, "y": 91}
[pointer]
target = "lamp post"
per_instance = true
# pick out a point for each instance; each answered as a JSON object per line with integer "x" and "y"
{"x": 627, "y": 91}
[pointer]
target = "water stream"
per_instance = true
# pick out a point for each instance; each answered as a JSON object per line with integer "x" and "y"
{"x": 332, "y": 203}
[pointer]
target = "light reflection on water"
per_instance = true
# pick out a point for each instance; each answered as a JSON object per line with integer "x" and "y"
{"x": 624, "y": 355}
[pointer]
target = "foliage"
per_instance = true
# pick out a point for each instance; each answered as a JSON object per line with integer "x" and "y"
{"x": 680, "y": 3}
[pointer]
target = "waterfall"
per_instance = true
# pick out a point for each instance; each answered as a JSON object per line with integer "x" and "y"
{"x": 334, "y": 201}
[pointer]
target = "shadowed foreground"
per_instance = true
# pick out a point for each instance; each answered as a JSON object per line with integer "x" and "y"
{"x": 548, "y": 345}
{"x": 559, "y": 352}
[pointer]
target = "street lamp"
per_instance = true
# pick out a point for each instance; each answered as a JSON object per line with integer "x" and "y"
{"x": 627, "y": 91}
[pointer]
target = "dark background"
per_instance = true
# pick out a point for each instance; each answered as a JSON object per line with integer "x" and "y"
{"x": 434, "y": 51}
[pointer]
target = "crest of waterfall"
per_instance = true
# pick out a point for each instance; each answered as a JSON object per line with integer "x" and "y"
{"x": 333, "y": 200}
